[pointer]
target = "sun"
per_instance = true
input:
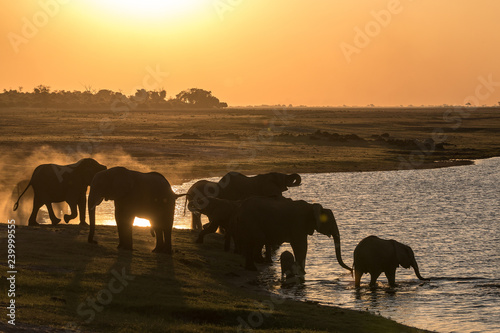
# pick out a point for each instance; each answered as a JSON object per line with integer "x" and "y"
{"x": 150, "y": 9}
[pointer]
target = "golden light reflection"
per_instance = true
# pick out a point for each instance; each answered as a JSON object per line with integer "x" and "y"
{"x": 138, "y": 222}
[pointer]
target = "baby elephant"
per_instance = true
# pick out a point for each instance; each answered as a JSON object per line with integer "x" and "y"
{"x": 375, "y": 255}
{"x": 290, "y": 269}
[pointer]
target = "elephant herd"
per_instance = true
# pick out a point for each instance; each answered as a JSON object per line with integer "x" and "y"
{"x": 251, "y": 211}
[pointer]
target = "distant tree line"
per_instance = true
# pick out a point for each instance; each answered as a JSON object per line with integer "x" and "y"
{"x": 43, "y": 97}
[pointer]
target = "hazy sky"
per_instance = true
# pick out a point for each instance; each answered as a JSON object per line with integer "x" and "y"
{"x": 253, "y": 52}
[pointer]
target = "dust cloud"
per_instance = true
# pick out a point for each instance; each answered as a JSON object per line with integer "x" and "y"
{"x": 16, "y": 171}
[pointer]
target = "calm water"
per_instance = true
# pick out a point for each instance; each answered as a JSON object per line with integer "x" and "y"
{"x": 450, "y": 217}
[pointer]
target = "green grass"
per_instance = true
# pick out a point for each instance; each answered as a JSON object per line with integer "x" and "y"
{"x": 200, "y": 288}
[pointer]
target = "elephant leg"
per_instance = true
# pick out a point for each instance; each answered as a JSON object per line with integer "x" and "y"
{"x": 124, "y": 223}
{"x": 249, "y": 250}
{"x": 210, "y": 228}
{"x": 373, "y": 278}
{"x": 227, "y": 241}
{"x": 159, "y": 240}
{"x": 357, "y": 277}
{"x": 270, "y": 249}
{"x": 300, "y": 251}
{"x": 53, "y": 218}
{"x": 391, "y": 277}
{"x": 196, "y": 221}
{"x": 73, "y": 214}
{"x": 81, "y": 209}
{"x": 36, "y": 206}
{"x": 167, "y": 238}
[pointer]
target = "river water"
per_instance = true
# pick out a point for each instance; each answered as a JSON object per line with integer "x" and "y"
{"x": 450, "y": 217}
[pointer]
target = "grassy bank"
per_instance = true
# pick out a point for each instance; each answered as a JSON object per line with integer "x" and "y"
{"x": 199, "y": 288}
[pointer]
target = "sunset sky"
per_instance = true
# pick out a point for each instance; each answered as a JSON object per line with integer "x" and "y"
{"x": 254, "y": 52}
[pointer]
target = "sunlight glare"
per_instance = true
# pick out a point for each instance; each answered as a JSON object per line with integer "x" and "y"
{"x": 138, "y": 222}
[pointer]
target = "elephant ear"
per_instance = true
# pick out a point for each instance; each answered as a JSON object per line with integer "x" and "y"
{"x": 324, "y": 220}
{"x": 404, "y": 254}
{"x": 121, "y": 186}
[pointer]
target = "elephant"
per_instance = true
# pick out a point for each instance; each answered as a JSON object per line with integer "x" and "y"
{"x": 57, "y": 183}
{"x": 220, "y": 213}
{"x": 375, "y": 255}
{"x": 275, "y": 220}
{"x": 135, "y": 194}
{"x": 23, "y": 211}
{"x": 236, "y": 186}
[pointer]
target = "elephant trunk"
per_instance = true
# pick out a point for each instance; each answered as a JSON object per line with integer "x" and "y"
{"x": 336, "y": 239}
{"x": 417, "y": 271}
{"x": 293, "y": 180}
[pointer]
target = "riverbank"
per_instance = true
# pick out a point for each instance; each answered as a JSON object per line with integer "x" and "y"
{"x": 62, "y": 282}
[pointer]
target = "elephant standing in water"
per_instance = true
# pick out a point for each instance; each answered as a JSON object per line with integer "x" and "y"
{"x": 262, "y": 220}
{"x": 57, "y": 183}
{"x": 236, "y": 186}
{"x": 375, "y": 255}
{"x": 136, "y": 194}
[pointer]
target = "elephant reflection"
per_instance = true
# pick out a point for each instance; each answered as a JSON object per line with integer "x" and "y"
{"x": 236, "y": 186}
{"x": 375, "y": 255}
{"x": 57, "y": 183}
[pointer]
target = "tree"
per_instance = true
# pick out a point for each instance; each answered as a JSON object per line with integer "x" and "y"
{"x": 199, "y": 98}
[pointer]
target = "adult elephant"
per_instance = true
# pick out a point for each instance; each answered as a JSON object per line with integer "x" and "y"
{"x": 236, "y": 186}
{"x": 262, "y": 220}
{"x": 135, "y": 194}
{"x": 375, "y": 255}
{"x": 57, "y": 183}
{"x": 23, "y": 211}
{"x": 221, "y": 213}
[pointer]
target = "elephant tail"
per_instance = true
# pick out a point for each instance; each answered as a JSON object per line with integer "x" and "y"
{"x": 16, "y": 205}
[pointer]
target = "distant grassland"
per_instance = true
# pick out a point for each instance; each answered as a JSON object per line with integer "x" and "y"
{"x": 184, "y": 144}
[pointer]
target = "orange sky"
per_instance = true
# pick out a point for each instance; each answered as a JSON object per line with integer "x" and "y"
{"x": 253, "y": 52}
